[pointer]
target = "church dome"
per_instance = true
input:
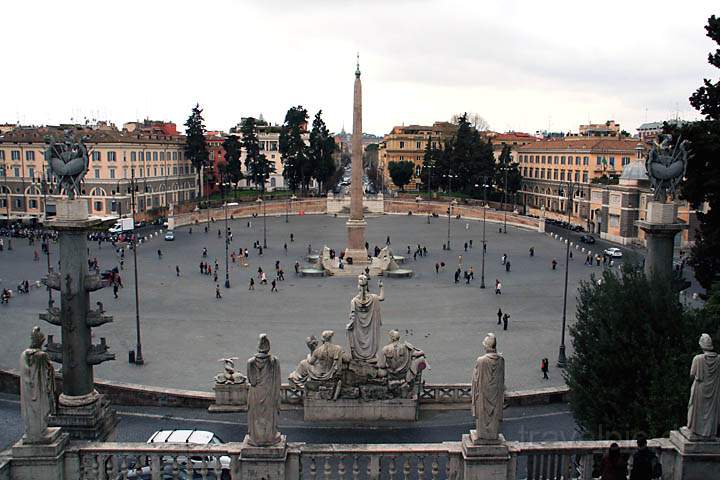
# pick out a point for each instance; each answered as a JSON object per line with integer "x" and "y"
{"x": 634, "y": 171}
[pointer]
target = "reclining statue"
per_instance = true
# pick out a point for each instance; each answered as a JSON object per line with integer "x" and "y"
{"x": 324, "y": 363}
{"x": 400, "y": 360}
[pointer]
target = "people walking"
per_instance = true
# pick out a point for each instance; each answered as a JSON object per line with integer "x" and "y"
{"x": 498, "y": 287}
{"x": 252, "y": 284}
{"x": 645, "y": 465}
{"x": 613, "y": 465}
{"x": 554, "y": 264}
{"x": 273, "y": 286}
{"x": 544, "y": 367}
{"x": 217, "y": 292}
{"x": 532, "y": 251}
{"x": 506, "y": 317}
{"x": 507, "y": 266}
{"x": 263, "y": 278}
{"x": 504, "y": 258}
{"x": 499, "y": 315}
{"x": 457, "y": 275}
{"x": 437, "y": 268}
{"x": 177, "y": 270}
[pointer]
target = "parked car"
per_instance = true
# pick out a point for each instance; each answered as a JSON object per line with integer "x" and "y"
{"x": 613, "y": 252}
{"x": 170, "y": 235}
{"x": 587, "y": 239}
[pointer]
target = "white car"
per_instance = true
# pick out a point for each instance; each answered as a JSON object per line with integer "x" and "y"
{"x": 199, "y": 437}
{"x": 613, "y": 252}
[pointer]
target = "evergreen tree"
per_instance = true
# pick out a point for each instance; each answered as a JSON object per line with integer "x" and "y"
{"x": 431, "y": 163}
{"x": 257, "y": 165}
{"x": 195, "y": 142}
{"x": 514, "y": 179}
{"x": 296, "y": 167}
{"x": 401, "y": 172}
{"x": 702, "y": 182}
{"x": 233, "y": 151}
{"x": 320, "y": 152}
{"x": 467, "y": 157}
{"x": 633, "y": 345}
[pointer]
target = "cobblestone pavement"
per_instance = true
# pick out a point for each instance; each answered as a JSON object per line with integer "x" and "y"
{"x": 185, "y": 330}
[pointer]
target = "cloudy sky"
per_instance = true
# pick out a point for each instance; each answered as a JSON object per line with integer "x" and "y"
{"x": 523, "y": 65}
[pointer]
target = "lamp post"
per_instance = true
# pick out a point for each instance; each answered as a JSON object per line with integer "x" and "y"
{"x": 291, "y": 199}
{"x": 260, "y": 203}
{"x": 482, "y": 274}
{"x": 562, "y": 359}
{"x": 7, "y": 203}
{"x": 227, "y": 240}
{"x": 429, "y": 173}
{"x": 138, "y": 352}
{"x": 506, "y": 168}
{"x": 47, "y": 241}
{"x": 450, "y": 205}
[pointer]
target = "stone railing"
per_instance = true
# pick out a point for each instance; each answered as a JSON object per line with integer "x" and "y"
{"x": 527, "y": 461}
{"x": 4, "y": 469}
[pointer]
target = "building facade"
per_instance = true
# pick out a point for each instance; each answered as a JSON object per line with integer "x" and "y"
{"x": 151, "y": 152}
{"x": 408, "y": 143}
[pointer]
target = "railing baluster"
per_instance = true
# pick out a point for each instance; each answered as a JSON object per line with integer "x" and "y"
{"x": 392, "y": 468}
{"x": 559, "y": 466}
{"x": 374, "y": 467}
{"x": 204, "y": 469}
{"x": 512, "y": 466}
{"x": 587, "y": 460}
{"x": 327, "y": 469}
{"x": 155, "y": 467}
{"x": 406, "y": 469}
{"x": 190, "y": 467}
{"x": 531, "y": 467}
{"x": 341, "y": 468}
{"x": 568, "y": 464}
{"x": 356, "y": 468}
{"x": 175, "y": 468}
{"x": 124, "y": 468}
{"x": 435, "y": 469}
{"x": 421, "y": 467}
{"x": 313, "y": 469}
{"x": 234, "y": 467}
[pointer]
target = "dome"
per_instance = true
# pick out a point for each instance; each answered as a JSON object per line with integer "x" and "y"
{"x": 634, "y": 171}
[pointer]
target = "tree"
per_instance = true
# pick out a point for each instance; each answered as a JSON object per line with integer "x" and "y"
{"x": 467, "y": 158}
{"x": 431, "y": 163}
{"x": 195, "y": 142}
{"x": 514, "y": 178}
{"x": 297, "y": 170}
{"x": 401, "y": 172}
{"x": 232, "y": 148}
{"x": 257, "y": 165}
{"x": 633, "y": 345}
{"x": 320, "y": 152}
{"x": 702, "y": 182}
{"x": 475, "y": 120}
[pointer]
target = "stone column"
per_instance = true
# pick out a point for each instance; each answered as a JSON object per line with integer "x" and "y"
{"x": 356, "y": 223}
{"x": 81, "y": 411}
{"x": 660, "y": 227}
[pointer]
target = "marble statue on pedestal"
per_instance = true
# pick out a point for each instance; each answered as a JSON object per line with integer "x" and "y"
{"x": 324, "y": 363}
{"x": 37, "y": 388}
{"x": 488, "y": 391}
{"x": 400, "y": 360}
{"x": 363, "y": 331}
{"x": 263, "y": 373}
{"x": 230, "y": 376}
{"x": 704, "y": 406}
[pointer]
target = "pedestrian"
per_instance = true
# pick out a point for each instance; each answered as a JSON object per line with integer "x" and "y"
{"x": 437, "y": 268}
{"x": 467, "y": 277}
{"x": 570, "y": 254}
{"x": 387, "y": 241}
{"x": 309, "y": 249}
{"x": 408, "y": 252}
{"x": 504, "y": 258}
{"x": 281, "y": 275}
{"x": 507, "y": 266}
{"x": 263, "y": 279}
{"x": 498, "y": 287}
{"x": 115, "y": 289}
{"x": 204, "y": 252}
{"x": 297, "y": 268}
{"x": 190, "y": 231}
{"x": 285, "y": 248}
{"x": 471, "y": 243}
{"x": 484, "y": 247}
{"x": 177, "y": 270}
{"x": 273, "y": 286}
{"x": 532, "y": 251}
{"x": 645, "y": 465}
{"x": 292, "y": 237}
{"x": 457, "y": 275}
{"x": 544, "y": 366}
{"x": 499, "y": 314}
{"x": 415, "y": 255}
{"x": 613, "y": 465}
{"x": 259, "y": 272}
{"x": 260, "y": 250}
{"x": 159, "y": 254}
{"x": 252, "y": 284}
{"x": 122, "y": 264}
{"x": 217, "y": 291}
{"x": 219, "y": 233}
{"x": 424, "y": 251}
{"x": 471, "y": 273}
{"x": 442, "y": 266}
{"x": 215, "y": 277}
{"x": 460, "y": 260}
{"x": 466, "y": 246}
{"x": 506, "y": 317}
{"x": 554, "y": 264}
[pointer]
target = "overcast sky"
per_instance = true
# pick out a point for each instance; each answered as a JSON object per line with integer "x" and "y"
{"x": 524, "y": 66}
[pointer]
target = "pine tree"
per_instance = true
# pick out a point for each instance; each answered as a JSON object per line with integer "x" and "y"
{"x": 702, "y": 182}
{"x": 233, "y": 151}
{"x": 257, "y": 165}
{"x": 195, "y": 142}
{"x": 297, "y": 170}
{"x": 320, "y": 152}
{"x": 401, "y": 172}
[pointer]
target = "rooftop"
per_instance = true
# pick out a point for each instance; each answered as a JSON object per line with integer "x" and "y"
{"x": 585, "y": 144}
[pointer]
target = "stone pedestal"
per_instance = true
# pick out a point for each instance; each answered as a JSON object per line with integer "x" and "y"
{"x": 356, "y": 242}
{"x": 87, "y": 417}
{"x": 660, "y": 228}
{"x": 230, "y": 397}
{"x": 358, "y": 410}
{"x": 697, "y": 459}
{"x": 263, "y": 462}
{"x": 40, "y": 460}
{"x": 483, "y": 459}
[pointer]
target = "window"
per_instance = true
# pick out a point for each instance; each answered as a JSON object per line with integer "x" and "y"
{"x": 417, "y": 169}
{"x": 31, "y": 172}
{"x": 96, "y": 156}
{"x": 162, "y": 156}
{"x": 16, "y": 170}
{"x": 33, "y": 203}
{"x": 555, "y": 174}
{"x": 15, "y": 154}
{"x": 525, "y": 171}
{"x": 112, "y": 173}
{"x": 142, "y": 171}
{"x": 18, "y": 203}
{"x": 174, "y": 155}
{"x": 585, "y": 177}
{"x": 97, "y": 173}
{"x": 625, "y": 161}
{"x": 141, "y": 156}
{"x": 402, "y": 144}
{"x": 577, "y": 175}
{"x": 155, "y": 156}
{"x": 562, "y": 175}
{"x": 562, "y": 160}
{"x": 162, "y": 171}
{"x": 2, "y": 154}
{"x": 155, "y": 168}
{"x": 614, "y": 221}
{"x": 133, "y": 156}
{"x": 29, "y": 155}
{"x": 2, "y": 170}
{"x": 612, "y": 161}
{"x": 599, "y": 160}
{"x": 542, "y": 159}
{"x": 98, "y": 206}
{"x": 111, "y": 156}
{"x": 555, "y": 159}
{"x": 417, "y": 145}
{"x": 586, "y": 160}
{"x": 175, "y": 170}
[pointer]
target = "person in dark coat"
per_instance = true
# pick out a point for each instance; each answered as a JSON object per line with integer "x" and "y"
{"x": 613, "y": 465}
{"x": 646, "y": 465}
{"x": 499, "y": 314}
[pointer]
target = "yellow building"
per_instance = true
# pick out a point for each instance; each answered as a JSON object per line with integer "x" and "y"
{"x": 408, "y": 143}
{"x": 151, "y": 151}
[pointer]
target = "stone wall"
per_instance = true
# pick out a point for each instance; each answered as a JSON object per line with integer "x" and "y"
{"x": 244, "y": 210}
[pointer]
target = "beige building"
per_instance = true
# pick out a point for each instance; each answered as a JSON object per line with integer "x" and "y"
{"x": 408, "y": 143}
{"x": 151, "y": 151}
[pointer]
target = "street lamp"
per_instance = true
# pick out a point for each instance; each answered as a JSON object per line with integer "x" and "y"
{"x": 505, "y": 168}
{"x": 260, "y": 202}
{"x": 482, "y": 274}
{"x": 138, "y": 352}
{"x": 562, "y": 359}
{"x": 47, "y": 241}
{"x": 429, "y": 173}
{"x": 450, "y": 205}
{"x": 222, "y": 190}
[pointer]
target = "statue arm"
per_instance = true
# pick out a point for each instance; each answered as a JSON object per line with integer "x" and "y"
{"x": 381, "y": 295}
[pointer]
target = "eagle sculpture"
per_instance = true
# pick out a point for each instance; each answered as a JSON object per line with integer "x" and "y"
{"x": 666, "y": 165}
{"x": 68, "y": 161}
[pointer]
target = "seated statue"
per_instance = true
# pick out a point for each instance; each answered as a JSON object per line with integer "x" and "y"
{"x": 400, "y": 360}
{"x": 230, "y": 375}
{"x": 324, "y": 363}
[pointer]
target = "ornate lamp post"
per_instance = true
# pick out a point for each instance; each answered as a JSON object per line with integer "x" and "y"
{"x": 562, "y": 359}
{"x": 138, "y": 350}
{"x": 260, "y": 203}
{"x": 482, "y": 274}
{"x": 227, "y": 240}
{"x": 450, "y": 205}
{"x": 429, "y": 173}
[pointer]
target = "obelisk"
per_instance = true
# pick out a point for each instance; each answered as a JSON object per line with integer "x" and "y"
{"x": 356, "y": 223}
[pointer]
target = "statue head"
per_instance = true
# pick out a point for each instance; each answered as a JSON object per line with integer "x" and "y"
{"x": 394, "y": 335}
{"x": 264, "y": 343}
{"x": 311, "y": 343}
{"x": 363, "y": 281}
{"x": 37, "y": 338}
{"x": 327, "y": 336}
{"x": 705, "y": 342}
{"x": 490, "y": 343}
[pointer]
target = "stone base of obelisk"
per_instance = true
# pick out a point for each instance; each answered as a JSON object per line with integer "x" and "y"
{"x": 485, "y": 459}
{"x": 356, "y": 242}
{"x": 696, "y": 458}
{"x": 88, "y": 417}
{"x": 39, "y": 460}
